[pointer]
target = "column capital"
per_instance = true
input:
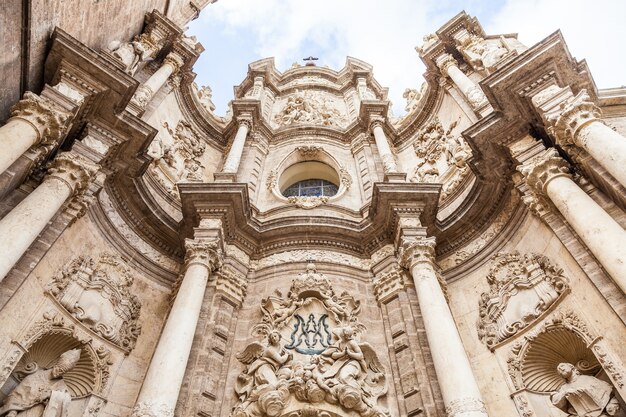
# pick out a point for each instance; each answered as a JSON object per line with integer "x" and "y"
{"x": 73, "y": 169}
{"x": 175, "y": 60}
{"x": 45, "y": 116}
{"x": 567, "y": 113}
{"x": 543, "y": 168}
{"x": 376, "y": 121}
{"x": 444, "y": 62}
{"x": 245, "y": 119}
{"x": 204, "y": 252}
{"x": 416, "y": 250}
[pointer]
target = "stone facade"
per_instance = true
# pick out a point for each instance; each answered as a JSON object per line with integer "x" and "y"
{"x": 306, "y": 254}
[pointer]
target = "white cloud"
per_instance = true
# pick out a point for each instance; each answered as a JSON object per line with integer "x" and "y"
{"x": 384, "y": 34}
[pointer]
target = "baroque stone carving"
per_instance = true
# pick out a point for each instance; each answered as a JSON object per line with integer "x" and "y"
{"x": 42, "y": 392}
{"x": 564, "y": 338}
{"x": 541, "y": 169}
{"x": 583, "y": 395}
{"x": 47, "y": 118}
{"x": 570, "y": 116}
{"x": 132, "y": 54}
{"x": 97, "y": 293}
{"x": 74, "y": 169}
{"x": 442, "y": 157}
{"x": 152, "y": 409}
{"x": 482, "y": 53}
{"x": 303, "y": 255}
{"x": 413, "y": 97}
{"x": 307, "y": 202}
{"x": 309, "y": 108}
{"x": 521, "y": 288}
{"x": 177, "y": 156}
{"x": 465, "y": 405}
{"x": 340, "y": 371}
{"x": 205, "y": 95}
{"x": 308, "y": 151}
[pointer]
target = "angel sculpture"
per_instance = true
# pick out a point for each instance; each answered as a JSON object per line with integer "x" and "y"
{"x": 353, "y": 372}
{"x": 130, "y": 54}
{"x": 262, "y": 385}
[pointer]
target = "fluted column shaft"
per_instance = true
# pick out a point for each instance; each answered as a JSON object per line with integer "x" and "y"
{"x": 472, "y": 92}
{"x": 68, "y": 175}
{"x": 459, "y": 389}
{"x": 34, "y": 120}
{"x": 577, "y": 121}
{"x": 164, "y": 378}
{"x": 549, "y": 174}
{"x": 231, "y": 165}
{"x": 389, "y": 162}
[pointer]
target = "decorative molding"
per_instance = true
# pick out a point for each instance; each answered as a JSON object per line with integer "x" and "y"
{"x": 521, "y": 289}
{"x": 388, "y": 285}
{"x": 152, "y": 409}
{"x": 303, "y": 255}
{"x": 458, "y": 408}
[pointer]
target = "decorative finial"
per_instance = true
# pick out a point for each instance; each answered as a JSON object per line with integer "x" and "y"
{"x": 310, "y": 61}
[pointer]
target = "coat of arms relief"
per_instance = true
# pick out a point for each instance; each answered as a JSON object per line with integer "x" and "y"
{"x": 309, "y": 357}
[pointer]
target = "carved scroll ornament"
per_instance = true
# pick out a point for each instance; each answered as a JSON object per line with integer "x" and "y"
{"x": 97, "y": 293}
{"x": 521, "y": 288}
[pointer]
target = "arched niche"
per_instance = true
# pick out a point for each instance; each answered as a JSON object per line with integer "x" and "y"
{"x": 533, "y": 361}
{"x": 308, "y": 162}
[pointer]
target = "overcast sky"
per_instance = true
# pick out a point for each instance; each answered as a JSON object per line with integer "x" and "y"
{"x": 384, "y": 34}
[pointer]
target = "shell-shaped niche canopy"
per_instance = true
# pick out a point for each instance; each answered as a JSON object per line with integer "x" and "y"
{"x": 45, "y": 352}
{"x": 547, "y": 351}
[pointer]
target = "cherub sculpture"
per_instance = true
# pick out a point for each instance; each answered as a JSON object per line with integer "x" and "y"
{"x": 263, "y": 387}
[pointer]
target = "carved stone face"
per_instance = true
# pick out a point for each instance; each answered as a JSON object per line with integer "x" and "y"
{"x": 566, "y": 370}
{"x": 274, "y": 338}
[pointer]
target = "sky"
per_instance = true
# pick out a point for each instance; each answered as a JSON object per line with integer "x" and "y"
{"x": 385, "y": 33}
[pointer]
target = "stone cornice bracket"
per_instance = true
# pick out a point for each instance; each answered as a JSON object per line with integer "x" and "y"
{"x": 543, "y": 168}
{"x": 45, "y": 116}
{"x": 232, "y": 285}
{"x": 388, "y": 285}
{"x": 73, "y": 169}
{"x": 566, "y": 114}
{"x": 204, "y": 252}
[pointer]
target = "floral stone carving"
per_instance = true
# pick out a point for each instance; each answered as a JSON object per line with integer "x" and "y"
{"x": 322, "y": 364}
{"x": 521, "y": 288}
{"x": 177, "y": 156}
{"x": 97, "y": 293}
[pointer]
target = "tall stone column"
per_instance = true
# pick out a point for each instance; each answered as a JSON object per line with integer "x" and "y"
{"x": 171, "y": 65}
{"x": 34, "y": 120}
{"x": 548, "y": 174}
{"x": 231, "y": 165}
{"x": 472, "y": 92}
{"x": 454, "y": 373}
{"x": 575, "y": 120}
{"x": 164, "y": 378}
{"x": 69, "y": 175}
{"x": 389, "y": 162}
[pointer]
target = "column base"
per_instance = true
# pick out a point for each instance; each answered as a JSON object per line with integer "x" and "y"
{"x": 466, "y": 407}
{"x": 225, "y": 177}
{"x": 152, "y": 409}
{"x": 395, "y": 177}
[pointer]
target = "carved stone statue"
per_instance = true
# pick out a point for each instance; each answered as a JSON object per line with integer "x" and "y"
{"x": 261, "y": 386}
{"x": 130, "y": 54}
{"x": 483, "y": 53}
{"x": 43, "y": 392}
{"x": 584, "y": 395}
{"x": 412, "y": 97}
{"x": 205, "y": 95}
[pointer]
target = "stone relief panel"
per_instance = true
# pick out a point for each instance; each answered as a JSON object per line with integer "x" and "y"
{"x": 309, "y": 356}
{"x": 442, "y": 157}
{"x": 176, "y": 157}
{"x": 483, "y": 54}
{"x": 311, "y": 107}
{"x": 97, "y": 293}
{"x": 563, "y": 365}
{"x": 521, "y": 289}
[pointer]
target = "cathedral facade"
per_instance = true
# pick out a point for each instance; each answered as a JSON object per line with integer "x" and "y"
{"x": 308, "y": 254}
